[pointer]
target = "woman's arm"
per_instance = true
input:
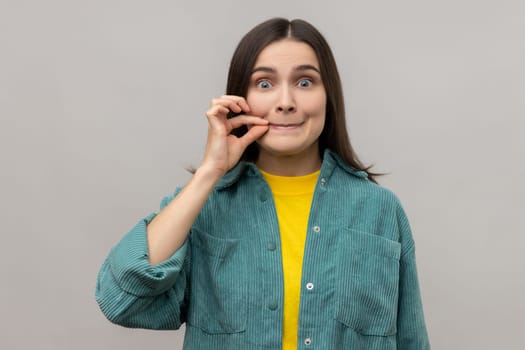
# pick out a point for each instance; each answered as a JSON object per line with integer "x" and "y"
{"x": 144, "y": 280}
{"x": 168, "y": 231}
{"x": 132, "y": 293}
{"x": 411, "y": 329}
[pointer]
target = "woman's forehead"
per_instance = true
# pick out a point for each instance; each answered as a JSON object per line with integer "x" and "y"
{"x": 287, "y": 53}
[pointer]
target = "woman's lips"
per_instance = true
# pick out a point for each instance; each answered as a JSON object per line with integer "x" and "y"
{"x": 285, "y": 126}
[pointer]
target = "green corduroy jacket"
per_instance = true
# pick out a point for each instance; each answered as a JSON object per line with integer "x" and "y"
{"x": 226, "y": 281}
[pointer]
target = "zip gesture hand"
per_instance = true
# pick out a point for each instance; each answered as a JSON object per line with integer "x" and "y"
{"x": 223, "y": 150}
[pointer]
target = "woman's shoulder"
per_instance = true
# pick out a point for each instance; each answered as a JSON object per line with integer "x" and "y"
{"x": 355, "y": 185}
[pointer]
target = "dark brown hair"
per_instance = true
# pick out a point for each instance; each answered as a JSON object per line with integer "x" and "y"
{"x": 334, "y": 135}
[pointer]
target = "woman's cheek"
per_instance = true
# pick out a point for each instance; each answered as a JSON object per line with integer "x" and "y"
{"x": 260, "y": 105}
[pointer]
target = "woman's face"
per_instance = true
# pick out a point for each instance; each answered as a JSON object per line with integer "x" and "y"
{"x": 287, "y": 90}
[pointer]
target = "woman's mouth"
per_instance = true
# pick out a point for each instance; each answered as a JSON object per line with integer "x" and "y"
{"x": 285, "y": 126}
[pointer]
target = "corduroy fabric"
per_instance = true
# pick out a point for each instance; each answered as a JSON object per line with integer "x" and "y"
{"x": 226, "y": 281}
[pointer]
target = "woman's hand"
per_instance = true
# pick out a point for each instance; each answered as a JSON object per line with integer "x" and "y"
{"x": 223, "y": 150}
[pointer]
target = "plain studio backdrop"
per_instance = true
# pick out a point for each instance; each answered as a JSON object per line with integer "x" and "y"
{"x": 102, "y": 106}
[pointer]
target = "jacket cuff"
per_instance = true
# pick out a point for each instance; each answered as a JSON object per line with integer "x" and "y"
{"x": 129, "y": 264}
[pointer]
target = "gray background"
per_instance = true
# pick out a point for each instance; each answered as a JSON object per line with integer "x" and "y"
{"x": 102, "y": 105}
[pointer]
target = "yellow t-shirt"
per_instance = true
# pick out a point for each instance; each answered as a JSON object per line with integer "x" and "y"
{"x": 293, "y": 198}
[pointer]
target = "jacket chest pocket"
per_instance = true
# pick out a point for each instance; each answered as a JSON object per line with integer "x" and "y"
{"x": 218, "y": 292}
{"x": 368, "y": 283}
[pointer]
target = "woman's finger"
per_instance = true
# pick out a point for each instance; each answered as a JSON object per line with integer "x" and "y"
{"x": 241, "y": 120}
{"x": 217, "y": 119}
{"x": 236, "y": 104}
{"x": 253, "y": 134}
{"x": 241, "y": 101}
{"x": 217, "y": 111}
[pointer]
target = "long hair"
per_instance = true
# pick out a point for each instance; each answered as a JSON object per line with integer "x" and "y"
{"x": 334, "y": 135}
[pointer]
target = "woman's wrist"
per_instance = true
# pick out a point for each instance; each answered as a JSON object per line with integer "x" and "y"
{"x": 208, "y": 173}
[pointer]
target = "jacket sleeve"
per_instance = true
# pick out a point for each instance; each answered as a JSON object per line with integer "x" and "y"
{"x": 411, "y": 329}
{"x": 132, "y": 293}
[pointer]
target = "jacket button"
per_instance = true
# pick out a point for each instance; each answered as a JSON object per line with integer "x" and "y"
{"x": 263, "y": 197}
{"x": 272, "y": 306}
{"x": 308, "y": 341}
{"x": 316, "y": 228}
{"x": 271, "y": 246}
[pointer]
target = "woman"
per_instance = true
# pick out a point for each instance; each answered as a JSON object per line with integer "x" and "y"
{"x": 281, "y": 239}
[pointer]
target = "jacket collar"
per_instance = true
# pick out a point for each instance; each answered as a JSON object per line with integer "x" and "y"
{"x": 330, "y": 161}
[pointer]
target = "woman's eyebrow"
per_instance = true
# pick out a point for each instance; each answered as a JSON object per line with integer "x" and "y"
{"x": 302, "y": 67}
{"x": 263, "y": 69}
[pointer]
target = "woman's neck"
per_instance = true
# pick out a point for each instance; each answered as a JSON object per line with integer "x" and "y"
{"x": 292, "y": 165}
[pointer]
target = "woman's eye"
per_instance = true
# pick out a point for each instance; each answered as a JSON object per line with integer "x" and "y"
{"x": 304, "y": 83}
{"x": 264, "y": 84}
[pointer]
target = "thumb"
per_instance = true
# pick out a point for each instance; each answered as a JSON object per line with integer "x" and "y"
{"x": 253, "y": 134}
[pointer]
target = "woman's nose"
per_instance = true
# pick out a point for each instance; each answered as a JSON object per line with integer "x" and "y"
{"x": 286, "y": 102}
